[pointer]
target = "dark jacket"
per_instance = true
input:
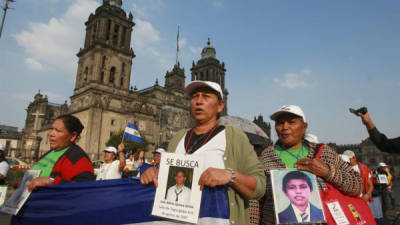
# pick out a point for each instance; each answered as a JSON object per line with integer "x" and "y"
{"x": 383, "y": 143}
{"x": 288, "y": 215}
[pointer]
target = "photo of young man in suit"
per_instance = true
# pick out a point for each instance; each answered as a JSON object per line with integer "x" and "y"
{"x": 298, "y": 188}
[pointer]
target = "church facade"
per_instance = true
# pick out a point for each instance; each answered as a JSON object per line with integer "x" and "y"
{"x": 102, "y": 97}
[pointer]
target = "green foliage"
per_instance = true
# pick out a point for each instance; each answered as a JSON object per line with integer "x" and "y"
{"x": 130, "y": 146}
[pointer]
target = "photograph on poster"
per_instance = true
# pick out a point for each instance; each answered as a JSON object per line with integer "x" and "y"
{"x": 18, "y": 198}
{"x": 296, "y": 197}
{"x": 178, "y": 195}
{"x": 179, "y": 185}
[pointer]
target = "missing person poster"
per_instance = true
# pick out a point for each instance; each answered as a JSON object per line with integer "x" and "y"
{"x": 20, "y": 195}
{"x": 296, "y": 197}
{"x": 178, "y": 195}
{"x": 3, "y": 193}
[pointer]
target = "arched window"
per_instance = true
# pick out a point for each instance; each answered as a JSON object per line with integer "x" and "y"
{"x": 112, "y": 75}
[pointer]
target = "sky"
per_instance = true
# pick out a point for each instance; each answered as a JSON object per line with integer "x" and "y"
{"x": 324, "y": 56}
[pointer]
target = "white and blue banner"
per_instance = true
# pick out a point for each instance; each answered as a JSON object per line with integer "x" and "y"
{"x": 132, "y": 133}
{"x": 110, "y": 202}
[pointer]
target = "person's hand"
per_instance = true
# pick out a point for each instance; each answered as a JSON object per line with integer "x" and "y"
{"x": 315, "y": 166}
{"x": 366, "y": 120}
{"x": 213, "y": 177}
{"x": 121, "y": 147}
{"x": 150, "y": 176}
{"x": 366, "y": 196}
{"x": 38, "y": 182}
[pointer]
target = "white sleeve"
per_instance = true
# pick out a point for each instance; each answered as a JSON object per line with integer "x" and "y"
{"x": 4, "y": 168}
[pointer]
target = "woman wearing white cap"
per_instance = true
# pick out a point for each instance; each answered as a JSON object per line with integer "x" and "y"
{"x": 112, "y": 168}
{"x": 292, "y": 150}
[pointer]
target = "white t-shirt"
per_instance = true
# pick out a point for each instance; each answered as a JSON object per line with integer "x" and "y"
{"x": 129, "y": 164}
{"x": 182, "y": 194}
{"x": 4, "y": 168}
{"x": 213, "y": 151}
{"x": 109, "y": 171}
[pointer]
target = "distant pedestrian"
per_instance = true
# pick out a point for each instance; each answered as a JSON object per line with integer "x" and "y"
{"x": 154, "y": 163}
{"x": 114, "y": 163}
{"x": 4, "y": 167}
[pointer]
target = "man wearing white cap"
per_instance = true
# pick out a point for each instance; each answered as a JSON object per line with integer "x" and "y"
{"x": 293, "y": 151}
{"x": 154, "y": 163}
{"x": 112, "y": 168}
{"x": 365, "y": 172}
{"x": 228, "y": 155}
{"x": 4, "y": 167}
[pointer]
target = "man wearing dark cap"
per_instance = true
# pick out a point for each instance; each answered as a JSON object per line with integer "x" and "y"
{"x": 229, "y": 157}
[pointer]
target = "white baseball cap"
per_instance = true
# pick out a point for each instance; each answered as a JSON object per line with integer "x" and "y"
{"x": 349, "y": 154}
{"x": 192, "y": 86}
{"x": 111, "y": 149}
{"x": 311, "y": 138}
{"x": 2, "y": 148}
{"x": 345, "y": 158}
{"x": 382, "y": 164}
{"x": 159, "y": 150}
{"x": 293, "y": 109}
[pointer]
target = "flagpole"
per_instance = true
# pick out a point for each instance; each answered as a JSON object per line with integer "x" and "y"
{"x": 177, "y": 46}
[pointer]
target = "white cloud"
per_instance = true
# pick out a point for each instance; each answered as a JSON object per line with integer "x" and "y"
{"x": 146, "y": 8}
{"x": 295, "y": 80}
{"x": 144, "y": 35}
{"x": 33, "y": 64}
{"x": 53, "y": 44}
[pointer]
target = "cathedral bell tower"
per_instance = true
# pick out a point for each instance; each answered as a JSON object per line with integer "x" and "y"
{"x": 209, "y": 68}
{"x": 106, "y": 58}
{"x": 101, "y": 93}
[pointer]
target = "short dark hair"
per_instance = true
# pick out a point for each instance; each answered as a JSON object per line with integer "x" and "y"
{"x": 180, "y": 170}
{"x": 72, "y": 123}
{"x": 295, "y": 175}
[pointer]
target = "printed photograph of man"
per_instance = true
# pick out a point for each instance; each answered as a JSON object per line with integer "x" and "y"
{"x": 298, "y": 188}
{"x": 179, "y": 192}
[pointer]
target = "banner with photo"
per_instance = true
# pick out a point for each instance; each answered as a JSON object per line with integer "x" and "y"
{"x": 296, "y": 197}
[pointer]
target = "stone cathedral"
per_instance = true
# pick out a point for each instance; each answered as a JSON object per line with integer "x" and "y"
{"x": 103, "y": 99}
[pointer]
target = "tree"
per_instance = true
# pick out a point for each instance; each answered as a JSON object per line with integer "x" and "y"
{"x": 130, "y": 146}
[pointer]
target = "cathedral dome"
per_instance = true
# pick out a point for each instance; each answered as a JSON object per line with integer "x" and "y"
{"x": 208, "y": 51}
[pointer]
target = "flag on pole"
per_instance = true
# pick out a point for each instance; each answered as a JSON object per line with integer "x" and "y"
{"x": 132, "y": 133}
{"x": 177, "y": 41}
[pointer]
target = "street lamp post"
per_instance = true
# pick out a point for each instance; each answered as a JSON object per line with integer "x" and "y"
{"x": 5, "y": 8}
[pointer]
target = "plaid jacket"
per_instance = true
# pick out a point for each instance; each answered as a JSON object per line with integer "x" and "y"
{"x": 341, "y": 175}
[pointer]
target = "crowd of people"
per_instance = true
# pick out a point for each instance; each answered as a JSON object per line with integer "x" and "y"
{"x": 230, "y": 160}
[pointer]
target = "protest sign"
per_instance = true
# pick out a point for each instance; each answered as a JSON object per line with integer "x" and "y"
{"x": 18, "y": 198}
{"x": 178, "y": 195}
{"x": 296, "y": 197}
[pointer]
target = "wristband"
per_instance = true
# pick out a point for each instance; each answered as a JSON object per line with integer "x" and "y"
{"x": 232, "y": 181}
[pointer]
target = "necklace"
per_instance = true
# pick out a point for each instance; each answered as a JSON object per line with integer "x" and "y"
{"x": 205, "y": 141}
{"x": 299, "y": 153}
